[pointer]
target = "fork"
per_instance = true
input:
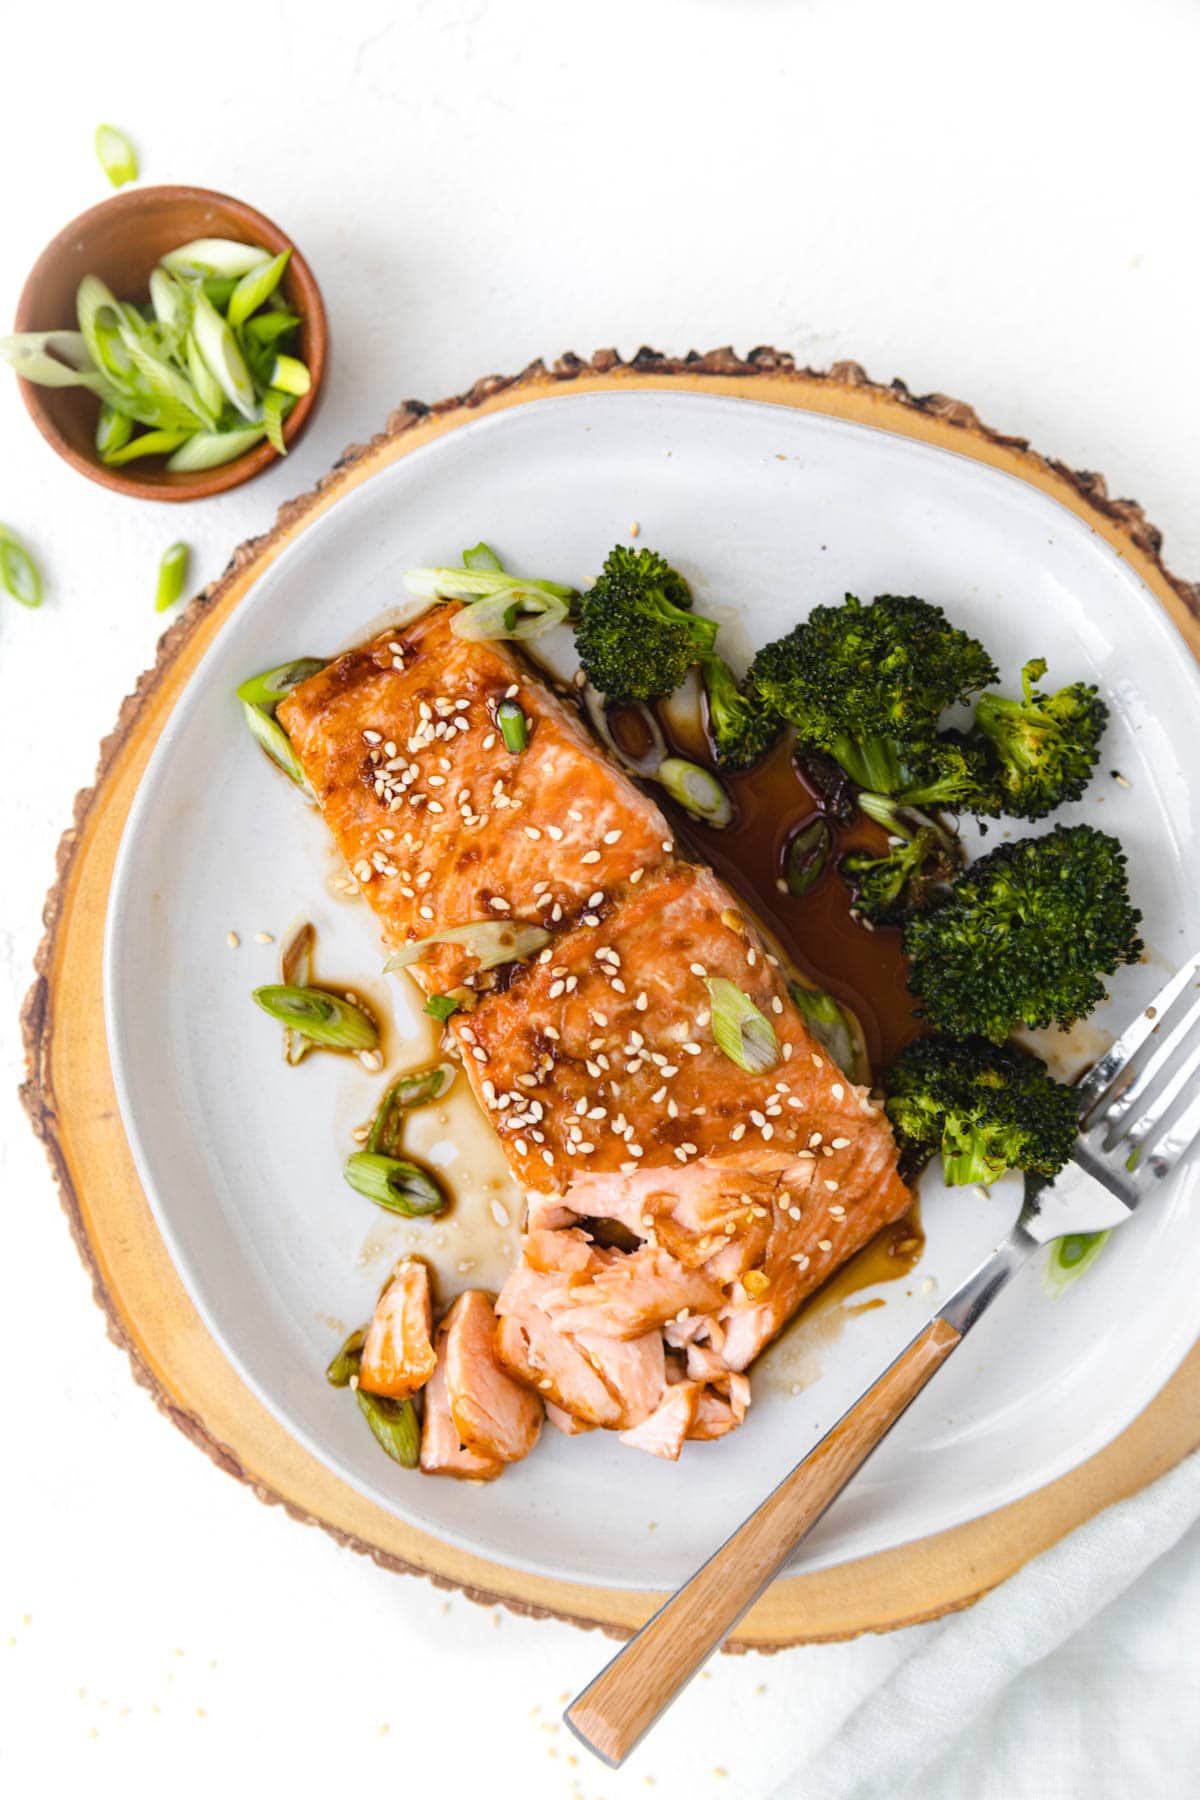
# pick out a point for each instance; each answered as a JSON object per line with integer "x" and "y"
{"x": 1132, "y": 1134}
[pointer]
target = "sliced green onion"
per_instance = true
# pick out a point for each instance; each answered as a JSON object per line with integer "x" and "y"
{"x": 47, "y": 371}
{"x": 165, "y": 396}
{"x": 219, "y": 348}
{"x": 277, "y": 744}
{"x": 836, "y": 1028}
{"x": 1070, "y": 1256}
{"x": 116, "y": 155}
{"x": 150, "y": 443}
{"x": 255, "y": 288}
{"x": 417, "y": 1089}
{"x": 476, "y": 584}
{"x": 807, "y": 856}
{"x": 267, "y": 328}
{"x": 741, "y": 1032}
{"x": 215, "y": 256}
{"x": 491, "y": 941}
{"x": 18, "y": 572}
{"x": 169, "y": 300}
{"x": 394, "y": 1426}
{"x": 344, "y": 1366}
{"x": 514, "y": 726}
{"x": 395, "y": 1184}
{"x": 276, "y": 406}
{"x": 70, "y": 345}
{"x": 697, "y": 790}
{"x": 202, "y": 378}
{"x": 483, "y": 557}
{"x": 99, "y": 315}
{"x": 442, "y": 1007}
{"x": 330, "y": 1021}
{"x": 172, "y": 573}
{"x": 291, "y": 375}
{"x": 295, "y": 970}
{"x": 210, "y": 449}
{"x": 516, "y": 612}
{"x": 219, "y": 289}
{"x": 113, "y": 431}
{"x": 269, "y": 688}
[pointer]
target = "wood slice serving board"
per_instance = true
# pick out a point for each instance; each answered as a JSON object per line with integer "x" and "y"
{"x": 70, "y": 1099}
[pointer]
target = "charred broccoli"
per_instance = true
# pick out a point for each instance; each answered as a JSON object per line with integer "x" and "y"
{"x": 920, "y": 855}
{"x": 1044, "y": 745}
{"x": 1023, "y": 936}
{"x": 987, "y": 1108}
{"x": 867, "y": 684}
{"x": 636, "y": 636}
{"x": 741, "y": 725}
{"x": 953, "y": 772}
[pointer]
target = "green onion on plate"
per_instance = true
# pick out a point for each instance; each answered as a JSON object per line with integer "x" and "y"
{"x": 326, "y": 1018}
{"x": 394, "y": 1426}
{"x": 395, "y": 1184}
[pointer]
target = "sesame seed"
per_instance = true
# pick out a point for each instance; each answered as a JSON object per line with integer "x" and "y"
{"x": 688, "y": 1049}
{"x": 824, "y": 1244}
{"x": 232, "y": 939}
{"x": 373, "y": 737}
{"x": 698, "y": 969}
{"x": 836, "y": 1212}
{"x": 555, "y": 832}
{"x": 489, "y": 740}
{"x": 776, "y": 1004}
{"x": 814, "y": 1140}
{"x": 590, "y": 856}
{"x": 425, "y": 912}
{"x": 511, "y": 692}
{"x": 499, "y": 905}
{"x": 531, "y": 831}
{"x": 641, "y": 1002}
{"x": 833, "y": 1186}
{"x": 737, "y": 1134}
{"x": 793, "y": 1212}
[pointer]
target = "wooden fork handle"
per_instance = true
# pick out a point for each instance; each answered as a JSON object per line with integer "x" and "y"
{"x": 642, "y": 1679}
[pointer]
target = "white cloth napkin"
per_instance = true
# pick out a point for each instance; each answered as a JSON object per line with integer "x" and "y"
{"x": 1079, "y": 1679}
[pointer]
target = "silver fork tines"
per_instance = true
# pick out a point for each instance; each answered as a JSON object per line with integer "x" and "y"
{"x": 1127, "y": 1103}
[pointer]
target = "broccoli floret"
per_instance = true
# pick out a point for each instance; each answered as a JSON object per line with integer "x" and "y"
{"x": 954, "y": 772}
{"x": 1045, "y": 745}
{"x": 987, "y": 1108}
{"x": 867, "y": 683}
{"x": 635, "y": 637}
{"x": 741, "y": 725}
{"x": 920, "y": 856}
{"x": 1023, "y": 936}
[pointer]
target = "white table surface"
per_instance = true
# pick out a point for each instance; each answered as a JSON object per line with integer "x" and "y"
{"x": 994, "y": 201}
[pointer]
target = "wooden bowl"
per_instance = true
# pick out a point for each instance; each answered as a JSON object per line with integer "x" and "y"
{"x": 121, "y": 241}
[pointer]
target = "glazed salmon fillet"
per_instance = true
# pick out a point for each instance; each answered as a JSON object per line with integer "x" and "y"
{"x": 679, "y": 1207}
{"x": 439, "y": 823}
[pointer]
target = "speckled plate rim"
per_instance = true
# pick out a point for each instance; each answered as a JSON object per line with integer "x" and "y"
{"x": 168, "y": 1347}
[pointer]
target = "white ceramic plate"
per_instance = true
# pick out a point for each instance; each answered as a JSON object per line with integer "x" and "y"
{"x": 768, "y": 511}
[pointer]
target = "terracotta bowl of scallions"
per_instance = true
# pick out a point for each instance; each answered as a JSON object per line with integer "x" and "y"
{"x": 170, "y": 343}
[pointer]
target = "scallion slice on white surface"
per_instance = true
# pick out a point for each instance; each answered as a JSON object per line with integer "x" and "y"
{"x": 116, "y": 155}
{"x": 740, "y": 1031}
{"x": 326, "y": 1018}
{"x": 697, "y": 790}
{"x": 490, "y": 941}
{"x": 172, "y": 573}
{"x": 19, "y": 574}
{"x": 222, "y": 257}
